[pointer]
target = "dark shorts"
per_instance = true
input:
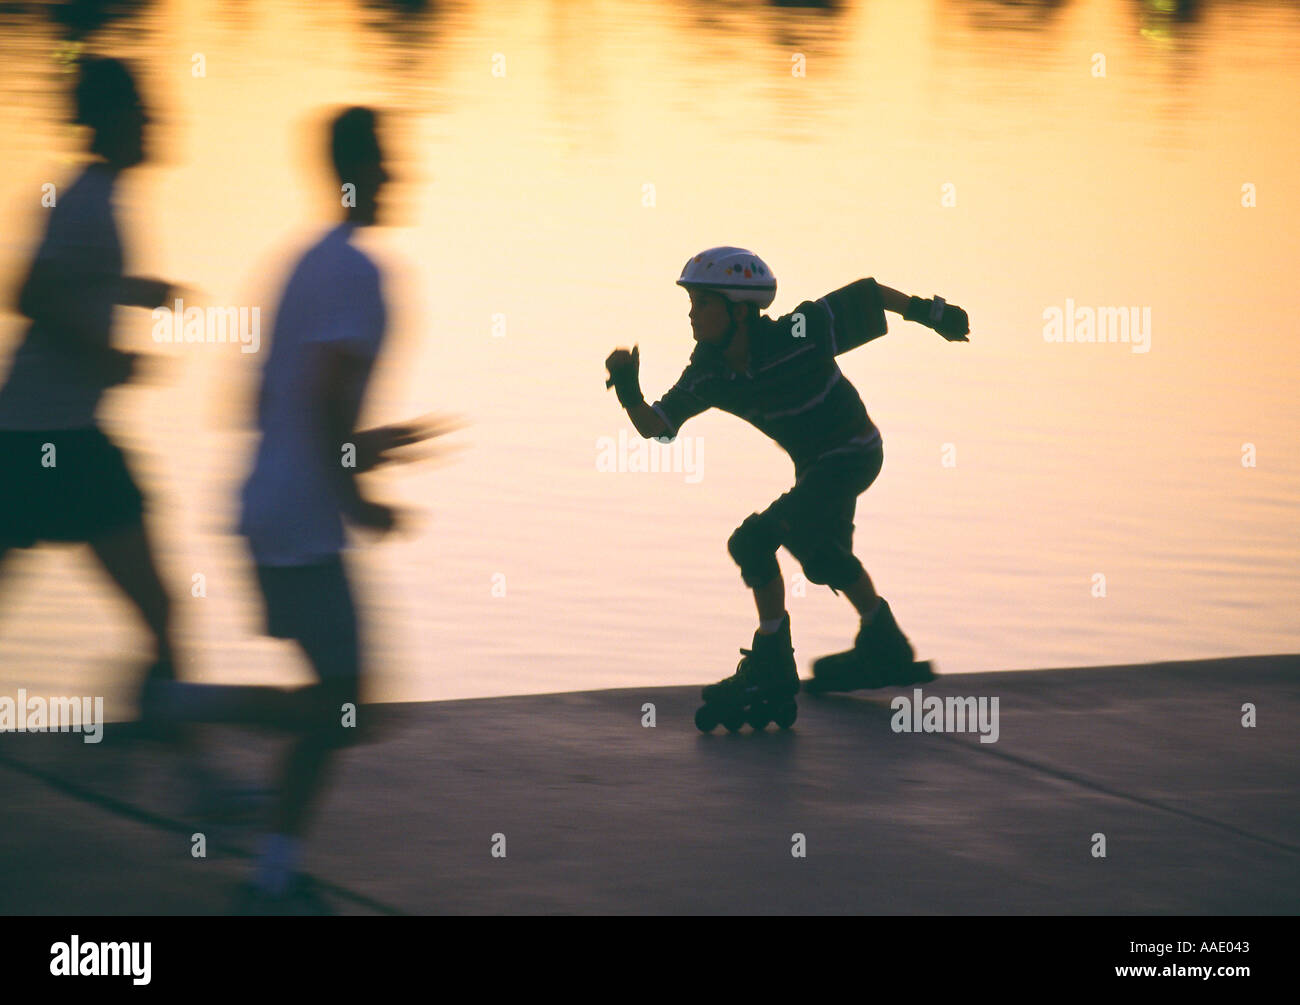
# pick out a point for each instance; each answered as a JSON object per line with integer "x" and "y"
{"x": 63, "y": 485}
{"x": 819, "y": 509}
{"x": 312, "y": 605}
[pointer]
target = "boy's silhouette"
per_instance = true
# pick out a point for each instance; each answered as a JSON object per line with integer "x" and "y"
{"x": 781, "y": 376}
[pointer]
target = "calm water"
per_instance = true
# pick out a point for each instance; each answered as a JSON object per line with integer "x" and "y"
{"x": 968, "y": 150}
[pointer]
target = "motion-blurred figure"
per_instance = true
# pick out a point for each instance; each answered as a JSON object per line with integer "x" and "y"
{"x": 329, "y": 328}
{"x": 64, "y": 479}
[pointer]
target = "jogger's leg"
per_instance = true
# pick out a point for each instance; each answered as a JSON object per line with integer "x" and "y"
{"x": 304, "y": 774}
{"x": 243, "y": 704}
{"x": 306, "y": 767}
{"x": 128, "y": 559}
{"x": 331, "y": 645}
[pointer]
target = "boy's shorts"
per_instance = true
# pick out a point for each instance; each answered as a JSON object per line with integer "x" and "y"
{"x": 85, "y": 494}
{"x": 312, "y": 604}
{"x": 818, "y": 511}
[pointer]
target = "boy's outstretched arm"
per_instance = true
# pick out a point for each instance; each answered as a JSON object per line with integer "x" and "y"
{"x": 855, "y": 314}
{"x": 892, "y": 300}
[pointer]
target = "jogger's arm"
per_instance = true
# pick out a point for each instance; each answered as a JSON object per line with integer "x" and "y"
{"x": 76, "y": 310}
{"x": 71, "y": 306}
{"x": 341, "y": 372}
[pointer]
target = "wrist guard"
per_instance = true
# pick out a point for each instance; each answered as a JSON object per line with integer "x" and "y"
{"x": 948, "y": 320}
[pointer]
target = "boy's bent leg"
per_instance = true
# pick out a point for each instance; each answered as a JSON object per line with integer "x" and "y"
{"x": 770, "y": 601}
{"x": 753, "y": 547}
{"x": 818, "y": 513}
{"x": 819, "y": 530}
{"x": 862, "y": 595}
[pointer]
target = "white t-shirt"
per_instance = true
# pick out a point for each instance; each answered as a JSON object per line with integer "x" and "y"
{"x": 292, "y": 507}
{"x": 50, "y": 385}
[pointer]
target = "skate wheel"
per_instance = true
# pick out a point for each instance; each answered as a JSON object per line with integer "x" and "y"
{"x": 759, "y": 718}
{"x": 705, "y": 719}
{"x": 786, "y": 715}
{"x": 734, "y": 721}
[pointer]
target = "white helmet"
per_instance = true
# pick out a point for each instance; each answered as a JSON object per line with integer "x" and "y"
{"x": 735, "y": 273}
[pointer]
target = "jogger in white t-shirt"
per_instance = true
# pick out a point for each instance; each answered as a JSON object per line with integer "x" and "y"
{"x": 303, "y": 488}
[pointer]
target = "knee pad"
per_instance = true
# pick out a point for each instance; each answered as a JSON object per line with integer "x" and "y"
{"x": 753, "y": 546}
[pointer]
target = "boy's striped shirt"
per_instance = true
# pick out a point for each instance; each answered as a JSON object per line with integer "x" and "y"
{"x": 793, "y": 391}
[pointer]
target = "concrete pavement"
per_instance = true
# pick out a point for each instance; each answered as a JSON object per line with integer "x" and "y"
{"x": 599, "y": 814}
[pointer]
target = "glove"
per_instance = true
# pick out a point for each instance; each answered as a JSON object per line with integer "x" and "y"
{"x": 948, "y": 320}
{"x": 624, "y": 376}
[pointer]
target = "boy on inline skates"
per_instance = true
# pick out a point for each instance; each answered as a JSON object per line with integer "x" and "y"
{"x": 780, "y": 375}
